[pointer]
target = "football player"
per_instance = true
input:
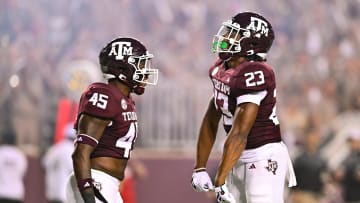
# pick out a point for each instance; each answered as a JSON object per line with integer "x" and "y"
{"x": 245, "y": 99}
{"x": 107, "y": 123}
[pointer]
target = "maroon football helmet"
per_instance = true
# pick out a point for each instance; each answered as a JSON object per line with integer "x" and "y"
{"x": 246, "y": 34}
{"x": 128, "y": 60}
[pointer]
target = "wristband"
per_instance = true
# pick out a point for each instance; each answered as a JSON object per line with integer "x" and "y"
{"x": 86, "y": 139}
{"x": 85, "y": 183}
{"x": 199, "y": 169}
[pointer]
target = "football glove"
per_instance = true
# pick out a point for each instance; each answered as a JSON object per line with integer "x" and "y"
{"x": 201, "y": 181}
{"x": 223, "y": 195}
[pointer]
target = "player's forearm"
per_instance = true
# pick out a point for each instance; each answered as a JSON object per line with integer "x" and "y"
{"x": 233, "y": 147}
{"x": 82, "y": 172}
{"x": 204, "y": 146}
{"x": 207, "y": 135}
{"x": 81, "y": 165}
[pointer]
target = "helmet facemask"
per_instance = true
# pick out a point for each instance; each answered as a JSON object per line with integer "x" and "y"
{"x": 227, "y": 41}
{"x": 143, "y": 74}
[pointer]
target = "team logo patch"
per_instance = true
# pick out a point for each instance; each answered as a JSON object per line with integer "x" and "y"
{"x": 123, "y": 104}
{"x": 97, "y": 185}
{"x": 272, "y": 166}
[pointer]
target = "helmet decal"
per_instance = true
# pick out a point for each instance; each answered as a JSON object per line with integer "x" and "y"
{"x": 120, "y": 49}
{"x": 258, "y": 25}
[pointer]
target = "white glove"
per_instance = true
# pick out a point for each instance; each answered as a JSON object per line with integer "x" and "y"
{"x": 201, "y": 181}
{"x": 223, "y": 195}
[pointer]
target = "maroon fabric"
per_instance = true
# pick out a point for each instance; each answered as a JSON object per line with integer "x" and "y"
{"x": 248, "y": 77}
{"x": 109, "y": 103}
{"x": 85, "y": 139}
{"x": 85, "y": 183}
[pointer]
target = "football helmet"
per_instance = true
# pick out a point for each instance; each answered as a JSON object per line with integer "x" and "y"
{"x": 128, "y": 60}
{"x": 246, "y": 34}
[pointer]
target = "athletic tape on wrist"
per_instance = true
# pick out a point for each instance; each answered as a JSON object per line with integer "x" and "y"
{"x": 86, "y": 139}
{"x": 85, "y": 183}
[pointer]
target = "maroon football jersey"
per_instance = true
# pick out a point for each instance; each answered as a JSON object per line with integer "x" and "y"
{"x": 105, "y": 101}
{"x": 249, "y": 78}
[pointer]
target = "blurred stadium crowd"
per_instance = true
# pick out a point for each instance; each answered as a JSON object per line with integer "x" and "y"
{"x": 316, "y": 58}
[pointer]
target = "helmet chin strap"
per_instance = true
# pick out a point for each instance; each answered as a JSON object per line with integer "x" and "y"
{"x": 122, "y": 78}
{"x": 228, "y": 56}
{"x": 262, "y": 55}
{"x": 138, "y": 90}
{"x": 225, "y": 56}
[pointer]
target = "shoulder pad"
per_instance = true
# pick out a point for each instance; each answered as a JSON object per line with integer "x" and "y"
{"x": 252, "y": 76}
{"x": 99, "y": 100}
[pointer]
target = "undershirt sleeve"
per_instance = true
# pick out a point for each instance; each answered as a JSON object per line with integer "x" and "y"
{"x": 254, "y": 97}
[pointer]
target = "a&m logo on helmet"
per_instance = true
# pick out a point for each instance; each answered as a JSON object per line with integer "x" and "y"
{"x": 121, "y": 49}
{"x": 258, "y": 25}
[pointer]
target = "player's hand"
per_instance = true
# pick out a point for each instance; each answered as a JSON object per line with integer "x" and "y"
{"x": 201, "y": 181}
{"x": 223, "y": 195}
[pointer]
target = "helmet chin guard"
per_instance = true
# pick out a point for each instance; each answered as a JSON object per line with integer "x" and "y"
{"x": 138, "y": 90}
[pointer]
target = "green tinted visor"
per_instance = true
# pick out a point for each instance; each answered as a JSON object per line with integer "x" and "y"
{"x": 220, "y": 44}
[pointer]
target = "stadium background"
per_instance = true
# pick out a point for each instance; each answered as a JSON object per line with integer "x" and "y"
{"x": 48, "y": 53}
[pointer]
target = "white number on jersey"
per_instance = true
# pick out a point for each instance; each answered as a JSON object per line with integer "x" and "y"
{"x": 99, "y": 100}
{"x": 254, "y": 78}
{"x": 273, "y": 116}
{"x": 223, "y": 104}
{"x": 126, "y": 141}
